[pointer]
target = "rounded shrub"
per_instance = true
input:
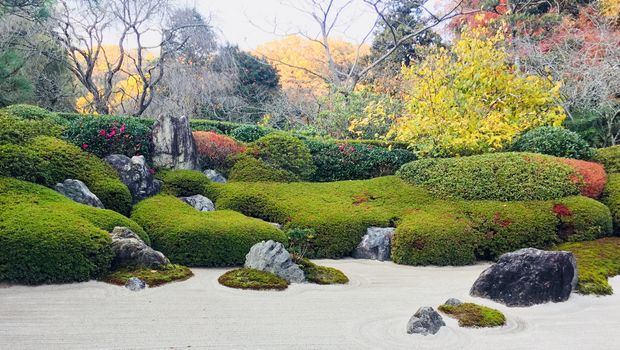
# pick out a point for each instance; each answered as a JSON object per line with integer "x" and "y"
{"x": 609, "y": 157}
{"x": 285, "y": 152}
{"x": 553, "y": 141}
{"x": 248, "y": 169}
{"x": 28, "y": 112}
{"x": 611, "y": 197}
{"x": 215, "y": 149}
{"x": 593, "y": 175}
{"x": 47, "y": 238}
{"x": 189, "y": 237}
{"x": 500, "y": 176}
{"x": 255, "y": 205}
{"x": 249, "y": 133}
{"x": 582, "y": 219}
{"x": 184, "y": 183}
{"x": 18, "y": 131}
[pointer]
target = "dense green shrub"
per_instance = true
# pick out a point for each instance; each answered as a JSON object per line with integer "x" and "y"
{"x": 248, "y": 169}
{"x": 189, "y": 237}
{"x": 500, "y": 176}
{"x": 611, "y": 198}
{"x": 553, "y": 141}
{"x": 47, "y": 238}
{"x": 249, "y": 133}
{"x": 285, "y": 152}
{"x": 17, "y": 131}
{"x": 609, "y": 157}
{"x": 48, "y": 160}
{"x": 105, "y": 135}
{"x": 28, "y": 112}
{"x": 335, "y": 162}
{"x": 213, "y": 125}
{"x": 184, "y": 183}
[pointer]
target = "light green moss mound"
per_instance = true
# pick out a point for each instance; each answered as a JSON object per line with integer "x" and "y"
{"x": 184, "y": 183}
{"x": 499, "y": 176}
{"x": 596, "y": 261}
{"x": 320, "y": 274}
{"x": 153, "y": 278}
{"x": 252, "y": 279}
{"x": 189, "y": 237}
{"x": 47, "y": 238}
{"x": 248, "y": 169}
{"x": 474, "y": 315}
{"x": 609, "y": 157}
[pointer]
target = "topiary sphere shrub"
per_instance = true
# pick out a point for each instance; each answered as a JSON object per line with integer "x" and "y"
{"x": 249, "y": 133}
{"x": 285, "y": 152}
{"x": 189, "y": 237}
{"x": 609, "y": 157}
{"x": 28, "y": 112}
{"x": 48, "y": 238}
{"x": 184, "y": 183}
{"x": 553, "y": 141}
{"x": 499, "y": 176}
{"x": 215, "y": 149}
{"x": 248, "y": 169}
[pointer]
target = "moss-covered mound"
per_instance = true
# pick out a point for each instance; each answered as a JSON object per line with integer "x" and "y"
{"x": 474, "y": 315}
{"x": 184, "y": 183}
{"x": 189, "y": 237}
{"x": 252, "y": 279}
{"x": 611, "y": 198}
{"x": 320, "y": 274}
{"x": 250, "y": 169}
{"x": 153, "y": 278}
{"x": 500, "y": 176}
{"x": 47, "y": 238}
{"x": 596, "y": 261}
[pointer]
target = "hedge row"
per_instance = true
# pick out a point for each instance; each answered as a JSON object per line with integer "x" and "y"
{"x": 47, "y": 238}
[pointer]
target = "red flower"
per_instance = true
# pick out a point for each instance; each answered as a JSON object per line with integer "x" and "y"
{"x": 84, "y": 146}
{"x": 122, "y": 129}
{"x": 101, "y": 132}
{"x": 112, "y": 133}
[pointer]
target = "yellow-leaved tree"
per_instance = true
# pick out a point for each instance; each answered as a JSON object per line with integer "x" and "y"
{"x": 470, "y": 99}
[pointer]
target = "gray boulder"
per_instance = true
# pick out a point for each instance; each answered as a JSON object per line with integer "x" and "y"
{"x": 527, "y": 277}
{"x": 130, "y": 250}
{"x": 136, "y": 175}
{"x": 425, "y": 321}
{"x": 272, "y": 257}
{"x": 135, "y": 284}
{"x": 375, "y": 244}
{"x": 77, "y": 191}
{"x": 453, "y": 302}
{"x": 215, "y": 176}
{"x": 174, "y": 146}
{"x": 199, "y": 202}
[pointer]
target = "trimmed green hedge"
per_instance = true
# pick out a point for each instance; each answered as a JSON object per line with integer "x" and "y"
{"x": 286, "y": 152}
{"x": 184, "y": 183}
{"x": 554, "y": 141}
{"x": 47, "y": 238}
{"x": 248, "y": 169}
{"x": 609, "y": 157}
{"x": 28, "y": 112}
{"x": 500, "y": 176}
{"x": 249, "y": 133}
{"x": 14, "y": 130}
{"x": 189, "y": 237}
{"x": 611, "y": 198}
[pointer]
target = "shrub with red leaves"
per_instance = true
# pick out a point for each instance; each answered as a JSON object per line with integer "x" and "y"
{"x": 562, "y": 210}
{"x": 214, "y": 148}
{"x": 594, "y": 176}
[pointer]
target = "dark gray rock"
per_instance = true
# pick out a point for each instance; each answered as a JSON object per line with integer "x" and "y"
{"x": 199, "y": 202}
{"x": 375, "y": 244}
{"x": 453, "y": 302}
{"x": 135, "y": 284}
{"x": 527, "y": 277}
{"x": 425, "y": 321}
{"x": 215, "y": 176}
{"x": 130, "y": 250}
{"x": 136, "y": 175}
{"x": 77, "y": 191}
{"x": 271, "y": 256}
{"x": 174, "y": 146}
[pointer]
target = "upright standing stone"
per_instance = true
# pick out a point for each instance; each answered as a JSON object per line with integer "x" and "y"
{"x": 174, "y": 146}
{"x": 135, "y": 174}
{"x": 375, "y": 244}
{"x": 425, "y": 321}
{"x": 272, "y": 257}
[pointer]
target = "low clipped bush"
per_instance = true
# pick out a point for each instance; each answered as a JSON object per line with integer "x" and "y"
{"x": 105, "y": 135}
{"x": 474, "y": 315}
{"x": 47, "y": 238}
{"x": 609, "y": 157}
{"x": 353, "y": 161}
{"x": 189, "y": 237}
{"x": 593, "y": 175}
{"x": 248, "y": 169}
{"x": 611, "y": 198}
{"x": 500, "y": 176}
{"x": 256, "y": 205}
{"x": 249, "y": 133}
{"x": 286, "y": 152}
{"x": 49, "y": 160}
{"x": 14, "y": 130}
{"x": 553, "y": 141}
{"x": 214, "y": 149}
{"x": 28, "y": 112}
{"x": 184, "y": 183}
{"x": 252, "y": 279}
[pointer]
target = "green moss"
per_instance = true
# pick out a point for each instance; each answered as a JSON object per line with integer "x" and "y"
{"x": 474, "y": 315}
{"x": 611, "y": 197}
{"x": 609, "y": 157}
{"x": 153, "y": 278}
{"x": 499, "y": 176}
{"x": 189, "y": 237}
{"x": 252, "y": 279}
{"x": 47, "y": 238}
{"x": 596, "y": 261}
{"x": 250, "y": 169}
{"x": 320, "y": 274}
{"x": 28, "y": 112}
{"x": 14, "y": 130}
{"x": 184, "y": 183}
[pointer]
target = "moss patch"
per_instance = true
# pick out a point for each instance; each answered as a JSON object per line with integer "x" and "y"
{"x": 474, "y": 315}
{"x": 596, "y": 261}
{"x": 252, "y": 279}
{"x": 153, "y": 278}
{"x": 320, "y": 274}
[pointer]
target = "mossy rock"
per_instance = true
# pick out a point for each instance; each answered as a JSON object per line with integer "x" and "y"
{"x": 320, "y": 274}
{"x": 152, "y": 277}
{"x": 253, "y": 279}
{"x": 474, "y": 315}
{"x": 596, "y": 261}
